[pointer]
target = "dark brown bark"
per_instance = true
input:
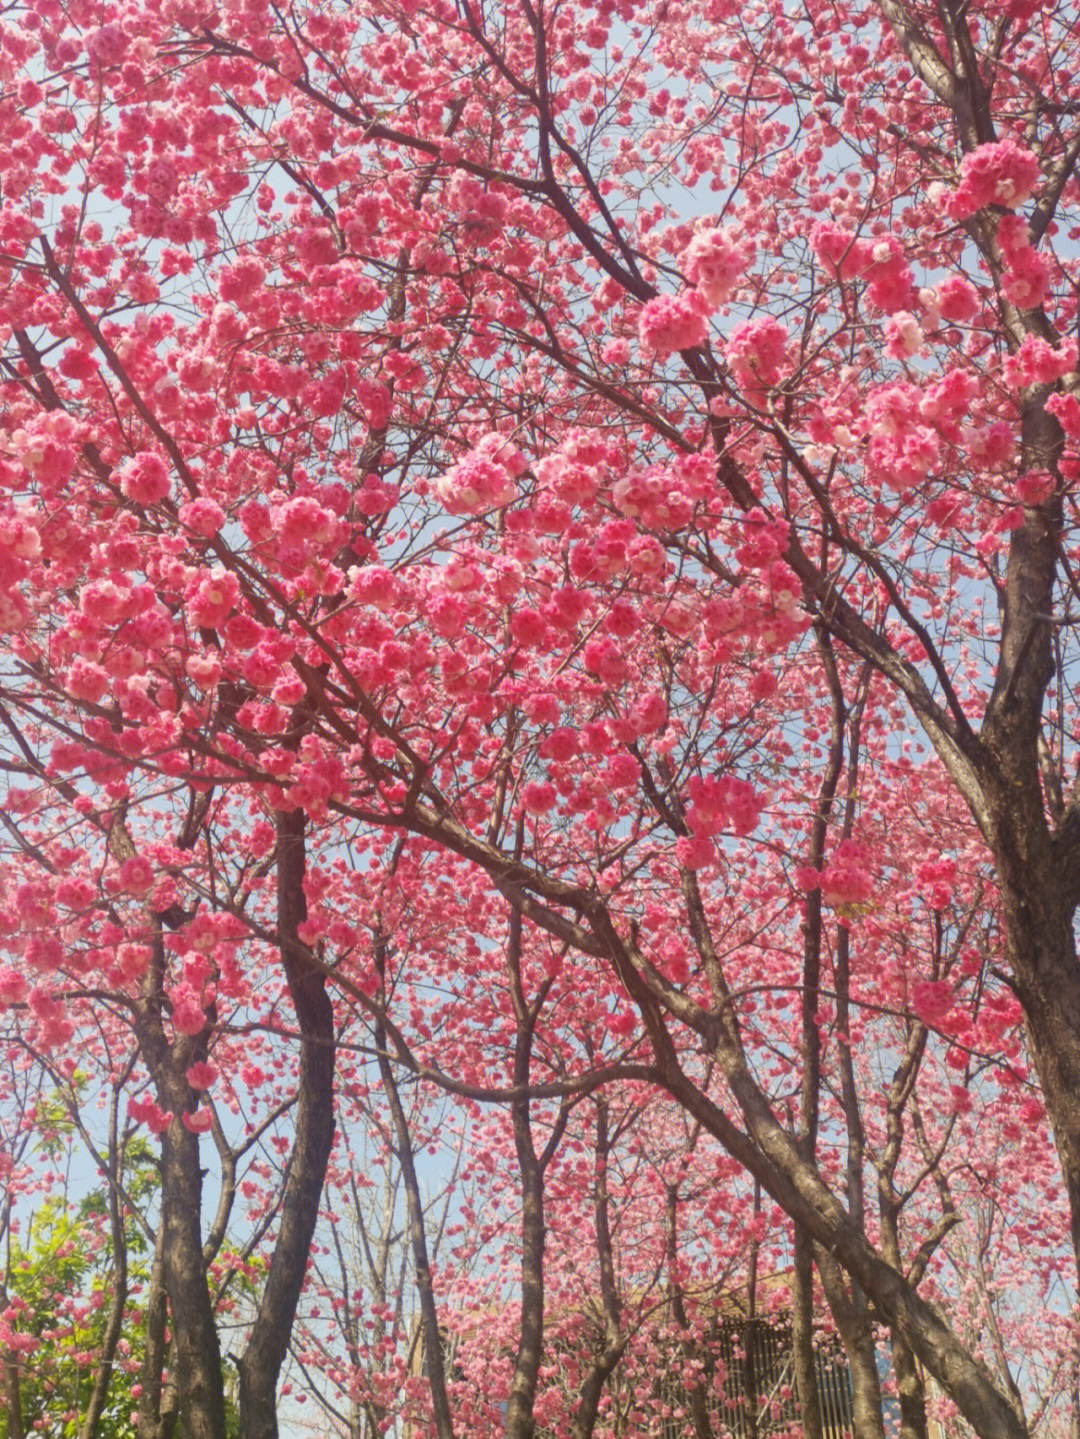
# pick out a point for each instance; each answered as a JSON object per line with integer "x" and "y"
{"x": 520, "y": 1422}
{"x": 196, "y": 1352}
{"x": 195, "y": 1355}
{"x": 13, "y": 1399}
{"x": 158, "y": 1402}
{"x": 260, "y": 1365}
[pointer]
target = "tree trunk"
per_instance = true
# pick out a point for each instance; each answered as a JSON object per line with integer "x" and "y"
{"x": 910, "y": 1390}
{"x": 264, "y": 1355}
{"x": 802, "y": 1335}
{"x": 196, "y": 1352}
{"x": 1041, "y": 953}
{"x": 603, "y": 1365}
{"x": 433, "y": 1346}
{"x": 157, "y": 1403}
{"x": 520, "y": 1423}
{"x": 849, "y": 1308}
{"x": 13, "y": 1398}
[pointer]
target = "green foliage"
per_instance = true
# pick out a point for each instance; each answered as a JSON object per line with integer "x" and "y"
{"x": 59, "y": 1283}
{"x": 60, "y": 1278}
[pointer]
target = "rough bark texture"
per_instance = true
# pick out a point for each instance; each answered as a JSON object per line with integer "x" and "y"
{"x": 158, "y": 1402}
{"x": 802, "y": 1332}
{"x": 196, "y": 1351}
{"x": 848, "y": 1307}
{"x": 911, "y": 1391}
{"x": 264, "y": 1355}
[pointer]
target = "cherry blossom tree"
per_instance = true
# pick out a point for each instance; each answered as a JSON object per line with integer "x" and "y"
{"x": 573, "y": 504}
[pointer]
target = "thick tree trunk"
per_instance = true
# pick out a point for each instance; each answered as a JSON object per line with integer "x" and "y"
{"x": 1041, "y": 952}
{"x": 196, "y": 1352}
{"x": 157, "y": 1403}
{"x": 911, "y": 1391}
{"x": 849, "y": 1309}
{"x": 802, "y": 1335}
{"x": 264, "y": 1355}
{"x": 520, "y": 1423}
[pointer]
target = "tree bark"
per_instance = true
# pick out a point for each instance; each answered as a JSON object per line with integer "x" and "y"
{"x": 910, "y": 1390}
{"x": 260, "y": 1365}
{"x": 520, "y": 1421}
{"x": 157, "y": 1403}
{"x": 802, "y": 1335}
{"x": 849, "y": 1309}
{"x": 196, "y": 1352}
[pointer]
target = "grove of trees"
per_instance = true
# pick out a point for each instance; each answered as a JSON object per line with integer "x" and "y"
{"x": 539, "y": 582}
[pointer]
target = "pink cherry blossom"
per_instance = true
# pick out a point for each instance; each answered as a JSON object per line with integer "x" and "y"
{"x": 201, "y": 1075}
{"x": 999, "y": 173}
{"x": 755, "y": 351}
{"x": 715, "y": 263}
{"x": 673, "y": 322}
{"x": 144, "y": 478}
